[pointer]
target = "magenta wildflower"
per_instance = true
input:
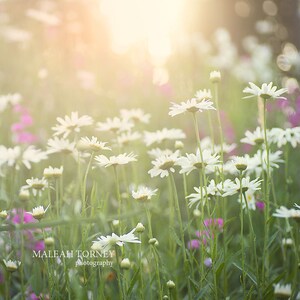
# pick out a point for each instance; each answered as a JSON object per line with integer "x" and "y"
{"x": 193, "y": 244}
{"x": 260, "y": 205}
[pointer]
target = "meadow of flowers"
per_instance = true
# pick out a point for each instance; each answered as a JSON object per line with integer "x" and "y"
{"x": 140, "y": 180}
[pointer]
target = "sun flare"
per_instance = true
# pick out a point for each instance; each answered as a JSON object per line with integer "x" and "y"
{"x": 147, "y": 22}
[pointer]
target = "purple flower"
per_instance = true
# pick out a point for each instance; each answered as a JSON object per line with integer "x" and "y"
{"x": 208, "y": 223}
{"x": 260, "y": 205}
{"x": 193, "y": 244}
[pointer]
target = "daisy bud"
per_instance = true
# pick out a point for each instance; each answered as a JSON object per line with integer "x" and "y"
{"x": 287, "y": 242}
{"x": 53, "y": 173}
{"x": 140, "y": 228}
{"x": 240, "y": 163}
{"x": 11, "y": 266}
{"x": 3, "y": 214}
{"x": 170, "y": 284}
{"x": 196, "y": 213}
{"x": 115, "y": 223}
{"x": 125, "y": 263}
{"x": 49, "y": 241}
{"x": 154, "y": 242}
{"x": 24, "y": 195}
{"x": 165, "y": 297}
{"x": 179, "y": 145}
{"x": 215, "y": 76}
{"x": 39, "y": 212}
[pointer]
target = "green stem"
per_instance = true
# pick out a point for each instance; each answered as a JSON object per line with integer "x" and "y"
{"x": 84, "y": 200}
{"x": 242, "y": 237}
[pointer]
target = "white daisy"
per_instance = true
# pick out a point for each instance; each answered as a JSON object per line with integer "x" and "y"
{"x": 127, "y": 137}
{"x": 157, "y": 152}
{"x": 215, "y": 76}
{"x": 92, "y": 144}
{"x": 250, "y": 198}
{"x": 36, "y": 185}
{"x": 164, "y": 164}
{"x": 32, "y": 155}
{"x": 267, "y": 91}
{"x": 281, "y": 136}
{"x": 258, "y": 163}
{"x": 9, "y": 99}
{"x": 165, "y": 134}
{"x": 246, "y": 184}
{"x": 283, "y": 291}
{"x": 203, "y": 94}
{"x": 202, "y": 194}
{"x": 192, "y": 105}
{"x": 11, "y": 265}
{"x": 284, "y": 212}
{"x": 192, "y": 161}
{"x": 14, "y": 157}
{"x": 227, "y": 148}
{"x": 105, "y": 243}
{"x": 254, "y": 138}
{"x": 71, "y": 124}
{"x": 57, "y": 145}
{"x": 51, "y": 172}
{"x": 115, "y": 125}
{"x": 39, "y": 212}
{"x": 135, "y": 115}
{"x": 121, "y": 159}
{"x": 143, "y": 193}
{"x": 241, "y": 162}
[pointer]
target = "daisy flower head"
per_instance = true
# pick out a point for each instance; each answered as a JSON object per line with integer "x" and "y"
{"x": 258, "y": 163}
{"x": 39, "y": 212}
{"x": 143, "y": 193}
{"x": 192, "y": 105}
{"x": 32, "y": 155}
{"x": 254, "y": 138}
{"x": 203, "y": 94}
{"x": 245, "y": 184}
{"x": 91, "y": 144}
{"x": 105, "y": 243}
{"x": 266, "y": 91}
{"x": 115, "y": 125}
{"x": 11, "y": 265}
{"x": 157, "y": 152}
{"x": 202, "y": 194}
{"x": 70, "y": 124}
{"x": 282, "y": 137}
{"x": 127, "y": 137}
{"x": 283, "y": 212}
{"x": 215, "y": 76}
{"x": 241, "y": 162}
{"x": 121, "y": 159}
{"x": 53, "y": 173}
{"x": 9, "y": 99}
{"x": 164, "y": 164}
{"x": 3, "y": 214}
{"x": 191, "y": 162}
{"x": 57, "y": 145}
{"x": 135, "y": 115}
{"x": 36, "y": 185}
{"x": 250, "y": 198}
{"x": 165, "y": 134}
{"x": 15, "y": 157}
{"x": 283, "y": 291}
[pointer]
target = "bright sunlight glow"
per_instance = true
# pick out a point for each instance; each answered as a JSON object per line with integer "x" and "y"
{"x": 150, "y": 22}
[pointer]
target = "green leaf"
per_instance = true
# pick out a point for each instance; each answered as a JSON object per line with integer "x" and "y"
{"x": 133, "y": 281}
{"x": 247, "y": 271}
